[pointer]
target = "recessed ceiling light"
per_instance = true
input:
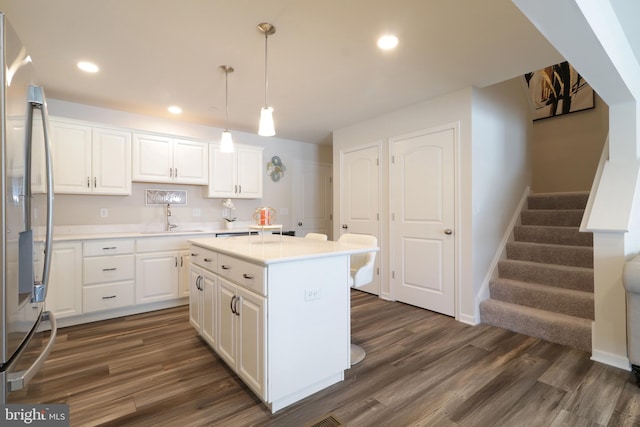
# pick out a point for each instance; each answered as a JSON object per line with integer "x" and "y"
{"x": 174, "y": 109}
{"x": 88, "y": 67}
{"x": 387, "y": 42}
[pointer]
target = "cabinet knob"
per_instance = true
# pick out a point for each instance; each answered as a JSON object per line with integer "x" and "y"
{"x": 448, "y": 231}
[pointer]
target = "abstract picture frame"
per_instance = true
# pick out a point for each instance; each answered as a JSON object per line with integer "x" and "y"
{"x": 557, "y": 90}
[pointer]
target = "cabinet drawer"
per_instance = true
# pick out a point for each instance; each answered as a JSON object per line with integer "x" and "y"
{"x": 107, "y": 247}
{"x": 204, "y": 258}
{"x": 108, "y": 269}
{"x": 104, "y": 297}
{"x": 246, "y": 274}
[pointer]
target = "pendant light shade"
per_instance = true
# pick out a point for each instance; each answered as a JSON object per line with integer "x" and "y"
{"x": 266, "y": 127}
{"x": 226, "y": 142}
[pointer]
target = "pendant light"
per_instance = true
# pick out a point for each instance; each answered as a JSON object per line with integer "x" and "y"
{"x": 266, "y": 128}
{"x": 226, "y": 142}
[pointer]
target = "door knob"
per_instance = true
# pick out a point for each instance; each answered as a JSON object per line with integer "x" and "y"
{"x": 345, "y": 226}
{"x": 448, "y": 231}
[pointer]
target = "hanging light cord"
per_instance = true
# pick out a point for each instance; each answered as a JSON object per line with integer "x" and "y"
{"x": 266, "y": 36}
{"x": 226, "y": 98}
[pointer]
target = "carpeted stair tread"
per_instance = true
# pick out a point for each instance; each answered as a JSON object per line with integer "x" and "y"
{"x": 575, "y": 200}
{"x": 550, "y": 298}
{"x": 553, "y": 235}
{"x": 562, "y": 276}
{"x": 577, "y": 256}
{"x": 554, "y": 327}
{"x": 552, "y": 217}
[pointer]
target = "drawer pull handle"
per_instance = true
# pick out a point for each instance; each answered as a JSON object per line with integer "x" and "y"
{"x": 109, "y": 269}
{"x": 208, "y": 260}
{"x": 110, "y": 248}
{"x": 247, "y": 276}
{"x": 109, "y": 297}
{"x": 226, "y": 267}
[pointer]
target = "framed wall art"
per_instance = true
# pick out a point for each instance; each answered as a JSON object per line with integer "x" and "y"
{"x": 556, "y": 90}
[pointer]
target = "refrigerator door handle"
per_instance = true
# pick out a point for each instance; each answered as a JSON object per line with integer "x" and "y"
{"x": 18, "y": 380}
{"x": 36, "y": 99}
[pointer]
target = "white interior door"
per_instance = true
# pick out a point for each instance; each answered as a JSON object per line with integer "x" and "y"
{"x": 422, "y": 202}
{"x": 313, "y": 199}
{"x": 360, "y": 180}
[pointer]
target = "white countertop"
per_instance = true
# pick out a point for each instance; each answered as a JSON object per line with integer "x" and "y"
{"x": 278, "y": 248}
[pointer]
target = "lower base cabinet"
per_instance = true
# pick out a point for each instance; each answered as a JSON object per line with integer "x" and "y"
{"x": 202, "y": 307}
{"x": 64, "y": 293}
{"x": 242, "y": 321}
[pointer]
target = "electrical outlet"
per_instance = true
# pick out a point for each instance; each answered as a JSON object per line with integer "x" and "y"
{"x": 104, "y": 212}
{"x": 284, "y": 211}
{"x": 196, "y": 212}
{"x": 311, "y": 294}
{"x": 225, "y": 212}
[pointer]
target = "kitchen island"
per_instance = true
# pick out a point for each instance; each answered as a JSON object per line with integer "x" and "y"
{"x": 277, "y": 311}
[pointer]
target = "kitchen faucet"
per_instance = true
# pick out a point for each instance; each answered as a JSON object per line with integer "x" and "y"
{"x": 169, "y": 225}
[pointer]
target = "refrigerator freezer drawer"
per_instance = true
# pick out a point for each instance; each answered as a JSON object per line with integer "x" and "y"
{"x": 108, "y": 296}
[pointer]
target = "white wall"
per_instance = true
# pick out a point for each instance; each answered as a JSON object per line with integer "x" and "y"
{"x": 501, "y": 172}
{"x": 85, "y": 210}
{"x": 492, "y": 171}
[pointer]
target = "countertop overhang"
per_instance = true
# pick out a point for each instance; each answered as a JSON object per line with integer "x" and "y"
{"x": 275, "y": 248}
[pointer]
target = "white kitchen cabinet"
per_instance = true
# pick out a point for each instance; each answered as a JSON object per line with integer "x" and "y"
{"x": 161, "y": 262}
{"x": 156, "y": 276}
{"x": 202, "y": 310}
{"x": 159, "y": 158}
{"x": 241, "y": 339}
{"x": 90, "y": 160}
{"x": 108, "y": 274}
{"x": 64, "y": 294}
{"x": 183, "y": 275}
{"x": 237, "y": 174}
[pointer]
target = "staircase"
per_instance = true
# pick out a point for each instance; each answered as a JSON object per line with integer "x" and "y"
{"x": 544, "y": 287}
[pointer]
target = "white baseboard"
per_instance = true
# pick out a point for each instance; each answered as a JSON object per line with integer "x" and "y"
{"x": 611, "y": 359}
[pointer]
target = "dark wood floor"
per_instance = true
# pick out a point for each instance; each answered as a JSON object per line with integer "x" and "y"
{"x": 422, "y": 369}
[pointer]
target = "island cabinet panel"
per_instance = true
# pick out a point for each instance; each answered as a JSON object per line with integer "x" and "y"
{"x": 283, "y": 316}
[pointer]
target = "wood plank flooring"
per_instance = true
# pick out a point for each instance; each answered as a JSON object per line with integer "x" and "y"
{"x": 421, "y": 369}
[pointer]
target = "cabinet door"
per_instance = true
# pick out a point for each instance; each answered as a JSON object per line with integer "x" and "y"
{"x": 222, "y": 173}
{"x": 226, "y": 321}
{"x": 71, "y": 152}
{"x": 190, "y": 162}
{"x": 249, "y": 172}
{"x": 208, "y": 285}
{"x": 152, "y": 158}
{"x": 64, "y": 295}
{"x": 251, "y": 363}
{"x": 111, "y": 161}
{"x": 156, "y": 276}
{"x": 184, "y": 258}
{"x": 195, "y": 298}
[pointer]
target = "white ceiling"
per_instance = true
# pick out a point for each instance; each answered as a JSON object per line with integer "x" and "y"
{"x": 325, "y": 71}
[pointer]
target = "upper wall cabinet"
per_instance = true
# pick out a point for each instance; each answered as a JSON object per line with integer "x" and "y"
{"x": 159, "y": 158}
{"x": 90, "y": 160}
{"x": 236, "y": 175}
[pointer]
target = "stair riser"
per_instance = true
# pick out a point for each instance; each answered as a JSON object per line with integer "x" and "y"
{"x": 578, "y": 279}
{"x": 576, "y": 256}
{"x": 577, "y": 304}
{"x": 569, "y": 334}
{"x": 552, "y": 235}
{"x": 558, "y": 201}
{"x": 552, "y": 218}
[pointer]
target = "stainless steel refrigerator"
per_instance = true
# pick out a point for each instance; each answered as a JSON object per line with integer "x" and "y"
{"x": 26, "y": 215}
